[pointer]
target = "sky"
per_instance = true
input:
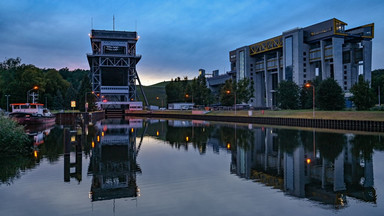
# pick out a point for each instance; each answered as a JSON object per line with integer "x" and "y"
{"x": 177, "y": 38}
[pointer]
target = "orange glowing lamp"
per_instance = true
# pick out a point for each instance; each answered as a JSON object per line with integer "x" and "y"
{"x": 187, "y": 139}
{"x": 308, "y": 160}
{"x": 157, "y": 133}
{"x": 35, "y": 153}
{"x": 93, "y": 144}
{"x": 228, "y": 145}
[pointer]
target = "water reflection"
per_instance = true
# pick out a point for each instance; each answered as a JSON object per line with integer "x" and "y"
{"x": 321, "y": 166}
{"x": 328, "y": 168}
{"x": 113, "y": 164}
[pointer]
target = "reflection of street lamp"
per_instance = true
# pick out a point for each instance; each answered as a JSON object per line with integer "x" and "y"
{"x": 7, "y": 101}
{"x": 229, "y": 92}
{"x": 34, "y": 88}
{"x": 307, "y": 85}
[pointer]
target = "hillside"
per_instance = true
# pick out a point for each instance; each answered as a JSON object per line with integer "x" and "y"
{"x": 154, "y": 91}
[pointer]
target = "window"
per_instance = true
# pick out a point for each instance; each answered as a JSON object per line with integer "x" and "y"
{"x": 305, "y": 64}
{"x": 304, "y": 53}
{"x": 305, "y": 76}
{"x": 288, "y": 55}
{"x": 304, "y": 59}
{"x": 242, "y": 65}
{"x": 345, "y": 82}
{"x": 345, "y": 77}
{"x": 345, "y": 72}
{"x": 305, "y": 70}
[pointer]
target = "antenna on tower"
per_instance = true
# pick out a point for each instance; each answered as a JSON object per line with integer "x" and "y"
{"x": 91, "y": 23}
{"x": 135, "y": 25}
{"x": 113, "y": 22}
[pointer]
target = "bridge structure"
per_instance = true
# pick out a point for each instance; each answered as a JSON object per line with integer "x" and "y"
{"x": 113, "y": 69}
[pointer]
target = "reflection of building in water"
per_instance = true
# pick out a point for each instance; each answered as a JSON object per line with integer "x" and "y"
{"x": 280, "y": 158}
{"x": 113, "y": 162}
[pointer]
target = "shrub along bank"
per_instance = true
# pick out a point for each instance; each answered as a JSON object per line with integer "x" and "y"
{"x": 13, "y": 139}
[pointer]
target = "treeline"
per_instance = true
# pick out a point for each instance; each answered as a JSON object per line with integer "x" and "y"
{"x": 56, "y": 88}
{"x": 329, "y": 95}
{"x": 196, "y": 91}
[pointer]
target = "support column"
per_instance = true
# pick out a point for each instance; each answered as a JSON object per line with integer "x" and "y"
{"x": 323, "y": 74}
{"x": 337, "y": 52}
{"x": 266, "y": 79}
{"x": 367, "y": 59}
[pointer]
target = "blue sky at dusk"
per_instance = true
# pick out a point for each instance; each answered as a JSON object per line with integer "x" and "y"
{"x": 176, "y": 37}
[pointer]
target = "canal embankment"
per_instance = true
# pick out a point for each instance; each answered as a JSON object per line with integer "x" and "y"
{"x": 352, "y": 121}
{"x": 70, "y": 118}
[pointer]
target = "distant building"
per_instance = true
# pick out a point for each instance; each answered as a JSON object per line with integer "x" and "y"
{"x": 322, "y": 50}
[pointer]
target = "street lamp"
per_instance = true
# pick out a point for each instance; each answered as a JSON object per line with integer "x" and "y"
{"x": 34, "y": 88}
{"x": 308, "y": 85}
{"x": 187, "y": 96}
{"x": 229, "y": 92}
{"x": 85, "y": 103}
{"x": 157, "y": 98}
{"x": 7, "y": 101}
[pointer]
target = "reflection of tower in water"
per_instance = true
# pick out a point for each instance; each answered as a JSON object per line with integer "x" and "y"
{"x": 72, "y": 139}
{"x": 113, "y": 163}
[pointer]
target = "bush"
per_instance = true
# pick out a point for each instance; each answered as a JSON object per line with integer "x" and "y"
{"x": 13, "y": 139}
{"x": 329, "y": 95}
{"x": 363, "y": 96}
{"x": 288, "y": 94}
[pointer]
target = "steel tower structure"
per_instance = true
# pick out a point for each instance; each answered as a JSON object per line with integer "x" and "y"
{"x": 113, "y": 68}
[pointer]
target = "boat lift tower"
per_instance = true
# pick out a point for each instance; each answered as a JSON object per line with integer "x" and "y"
{"x": 113, "y": 68}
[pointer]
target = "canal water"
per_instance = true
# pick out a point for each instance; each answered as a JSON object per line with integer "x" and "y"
{"x": 176, "y": 167}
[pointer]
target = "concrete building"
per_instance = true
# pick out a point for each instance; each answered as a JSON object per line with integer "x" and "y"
{"x": 323, "y": 50}
{"x": 113, "y": 68}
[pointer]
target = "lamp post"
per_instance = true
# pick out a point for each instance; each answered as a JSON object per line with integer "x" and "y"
{"x": 229, "y": 92}
{"x": 34, "y": 88}
{"x": 162, "y": 100}
{"x": 307, "y": 85}
{"x": 85, "y": 102}
{"x": 7, "y": 101}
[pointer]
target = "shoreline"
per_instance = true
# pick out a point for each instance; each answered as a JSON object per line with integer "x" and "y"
{"x": 342, "y": 124}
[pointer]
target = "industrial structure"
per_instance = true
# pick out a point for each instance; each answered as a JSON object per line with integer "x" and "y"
{"x": 323, "y": 50}
{"x": 113, "y": 69}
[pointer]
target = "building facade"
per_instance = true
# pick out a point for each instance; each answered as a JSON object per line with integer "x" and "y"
{"x": 323, "y": 50}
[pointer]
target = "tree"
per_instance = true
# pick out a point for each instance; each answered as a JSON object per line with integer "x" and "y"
{"x": 85, "y": 91}
{"x": 288, "y": 95}
{"x": 363, "y": 96}
{"x": 377, "y": 84}
{"x": 329, "y": 95}
{"x": 244, "y": 90}
{"x": 227, "y": 96}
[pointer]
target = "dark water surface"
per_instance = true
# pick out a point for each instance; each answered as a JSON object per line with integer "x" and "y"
{"x": 174, "y": 167}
